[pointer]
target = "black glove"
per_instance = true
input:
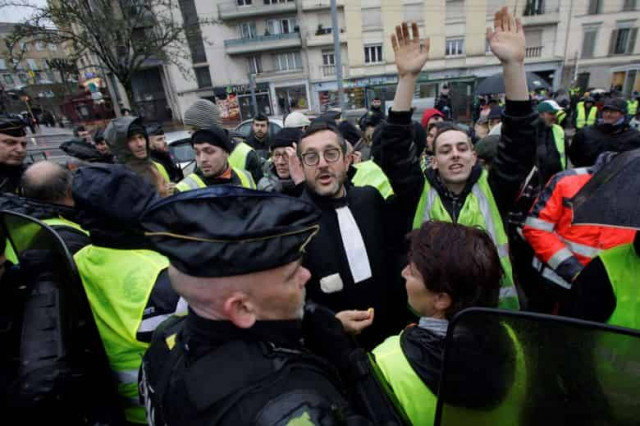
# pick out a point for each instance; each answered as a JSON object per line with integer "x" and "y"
{"x": 324, "y": 335}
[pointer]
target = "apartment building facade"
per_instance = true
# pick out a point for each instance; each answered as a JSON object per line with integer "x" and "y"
{"x": 602, "y": 48}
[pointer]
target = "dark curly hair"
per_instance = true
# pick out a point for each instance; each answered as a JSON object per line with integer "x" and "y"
{"x": 459, "y": 260}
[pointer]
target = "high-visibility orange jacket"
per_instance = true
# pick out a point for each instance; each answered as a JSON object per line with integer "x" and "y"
{"x": 565, "y": 248}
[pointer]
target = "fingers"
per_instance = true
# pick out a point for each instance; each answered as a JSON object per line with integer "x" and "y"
{"x": 399, "y": 35}
{"x": 497, "y": 20}
{"x": 519, "y": 28}
{"x": 405, "y": 32}
{"x": 414, "y": 31}
{"x": 394, "y": 42}
{"x": 426, "y": 45}
{"x": 506, "y": 24}
{"x": 489, "y": 33}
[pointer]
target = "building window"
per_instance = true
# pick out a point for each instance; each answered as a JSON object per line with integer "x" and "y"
{"x": 277, "y": 1}
{"x": 373, "y": 54}
{"x": 8, "y": 78}
{"x": 53, "y": 47}
{"x": 255, "y": 64}
{"x": 534, "y": 7}
{"x": 282, "y": 26}
{"x": 288, "y": 61}
{"x": 244, "y": 2}
{"x": 595, "y": 7}
{"x": 248, "y": 30}
{"x": 32, "y": 64}
{"x": 203, "y": 76}
{"x": 371, "y": 18}
{"x": 589, "y": 42}
{"x": 328, "y": 57}
{"x": 23, "y": 78}
{"x": 454, "y": 47}
{"x": 623, "y": 41}
{"x": 413, "y": 12}
{"x": 629, "y": 5}
{"x": 3, "y": 64}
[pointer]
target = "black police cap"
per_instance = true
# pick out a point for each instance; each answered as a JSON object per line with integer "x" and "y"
{"x": 222, "y": 231}
{"x": 12, "y": 126}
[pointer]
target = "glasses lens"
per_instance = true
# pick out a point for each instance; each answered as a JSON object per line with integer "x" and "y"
{"x": 331, "y": 155}
{"x": 311, "y": 158}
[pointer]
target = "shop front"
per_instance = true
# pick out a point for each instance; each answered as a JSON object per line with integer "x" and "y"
{"x": 235, "y": 101}
{"x": 626, "y": 79}
{"x": 290, "y": 96}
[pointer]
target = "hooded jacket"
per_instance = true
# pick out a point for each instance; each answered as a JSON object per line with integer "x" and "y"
{"x": 116, "y": 135}
{"x": 592, "y": 141}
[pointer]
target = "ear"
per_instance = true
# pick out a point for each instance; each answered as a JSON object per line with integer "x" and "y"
{"x": 348, "y": 159}
{"x": 239, "y": 310}
{"x": 443, "y": 302}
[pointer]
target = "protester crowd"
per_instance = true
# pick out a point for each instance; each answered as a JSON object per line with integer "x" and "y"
{"x": 309, "y": 277}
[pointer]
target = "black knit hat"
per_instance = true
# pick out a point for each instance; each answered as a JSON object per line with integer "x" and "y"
{"x": 215, "y": 136}
{"x": 349, "y": 132}
{"x": 286, "y": 138}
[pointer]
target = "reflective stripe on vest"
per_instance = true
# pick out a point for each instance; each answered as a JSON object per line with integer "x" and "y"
{"x": 581, "y": 249}
{"x": 479, "y": 210}
{"x": 623, "y": 268}
{"x": 192, "y": 181}
{"x": 118, "y": 284}
{"x": 60, "y": 221}
{"x": 581, "y": 120}
{"x": 417, "y": 400}
{"x": 558, "y": 137}
{"x": 370, "y": 174}
{"x": 162, "y": 171}
{"x": 632, "y": 107}
{"x": 238, "y": 157}
{"x": 245, "y": 178}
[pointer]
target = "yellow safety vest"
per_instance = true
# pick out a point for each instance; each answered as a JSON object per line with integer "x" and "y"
{"x": 238, "y": 157}
{"x": 370, "y": 174}
{"x": 558, "y": 137}
{"x": 162, "y": 171}
{"x": 623, "y": 268}
{"x": 118, "y": 284}
{"x": 419, "y": 403}
{"x": 581, "y": 120}
{"x": 479, "y": 210}
{"x": 193, "y": 181}
{"x": 632, "y": 107}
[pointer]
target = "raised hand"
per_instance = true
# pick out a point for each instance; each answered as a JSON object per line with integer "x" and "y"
{"x": 507, "y": 38}
{"x": 411, "y": 53}
{"x": 295, "y": 168}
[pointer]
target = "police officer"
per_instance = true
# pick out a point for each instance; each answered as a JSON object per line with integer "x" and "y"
{"x": 13, "y": 150}
{"x": 126, "y": 282}
{"x": 212, "y": 148}
{"x": 236, "y": 358}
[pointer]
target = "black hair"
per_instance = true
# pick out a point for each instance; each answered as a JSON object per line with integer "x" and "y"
{"x": 79, "y": 129}
{"x": 260, "y": 117}
{"x": 322, "y": 125}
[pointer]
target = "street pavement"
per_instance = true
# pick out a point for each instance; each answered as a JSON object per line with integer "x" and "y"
{"x": 45, "y": 142}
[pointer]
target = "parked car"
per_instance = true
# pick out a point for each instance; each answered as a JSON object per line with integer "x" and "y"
{"x": 180, "y": 147}
{"x": 275, "y": 125}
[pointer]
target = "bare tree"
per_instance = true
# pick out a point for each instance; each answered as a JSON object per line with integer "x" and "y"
{"x": 123, "y": 35}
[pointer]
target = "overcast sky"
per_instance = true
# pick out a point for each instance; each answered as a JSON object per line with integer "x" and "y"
{"x": 18, "y": 14}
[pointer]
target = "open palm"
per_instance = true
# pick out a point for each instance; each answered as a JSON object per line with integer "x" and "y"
{"x": 411, "y": 53}
{"x": 507, "y": 40}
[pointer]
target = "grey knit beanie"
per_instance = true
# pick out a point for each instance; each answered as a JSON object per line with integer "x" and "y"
{"x": 202, "y": 114}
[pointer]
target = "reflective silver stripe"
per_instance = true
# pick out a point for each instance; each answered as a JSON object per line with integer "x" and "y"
{"x": 127, "y": 376}
{"x": 503, "y": 250}
{"x": 189, "y": 182}
{"x": 555, "y": 278}
{"x": 581, "y": 171}
{"x": 539, "y": 224}
{"x": 152, "y": 323}
{"x": 559, "y": 257}
{"x": 506, "y": 292}
{"x": 431, "y": 199}
{"x": 485, "y": 210}
{"x": 582, "y": 249}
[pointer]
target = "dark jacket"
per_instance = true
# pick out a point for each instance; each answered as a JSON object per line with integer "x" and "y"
{"x": 326, "y": 256}
{"x": 10, "y": 178}
{"x": 592, "y": 296}
{"x": 513, "y": 162}
{"x": 592, "y": 141}
{"x": 261, "y": 146}
{"x": 264, "y": 376}
{"x": 164, "y": 158}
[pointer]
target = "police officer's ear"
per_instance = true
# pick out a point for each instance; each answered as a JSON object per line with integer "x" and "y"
{"x": 239, "y": 309}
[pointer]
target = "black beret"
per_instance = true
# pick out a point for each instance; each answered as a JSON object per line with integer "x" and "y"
{"x": 110, "y": 196}
{"x": 215, "y": 136}
{"x": 222, "y": 231}
{"x": 12, "y": 127}
{"x": 136, "y": 129}
{"x": 286, "y": 138}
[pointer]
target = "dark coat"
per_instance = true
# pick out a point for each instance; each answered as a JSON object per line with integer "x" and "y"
{"x": 592, "y": 141}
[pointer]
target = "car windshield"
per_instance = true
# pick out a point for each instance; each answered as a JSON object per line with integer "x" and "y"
{"x": 182, "y": 151}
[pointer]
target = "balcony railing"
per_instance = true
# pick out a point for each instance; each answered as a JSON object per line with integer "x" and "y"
{"x": 232, "y": 10}
{"x": 262, "y": 43}
{"x": 328, "y": 70}
{"x": 533, "y": 52}
{"x": 260, "y": 39}
{"x": 276, "y": 73}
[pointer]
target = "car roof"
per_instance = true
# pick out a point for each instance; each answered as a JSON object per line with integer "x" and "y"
{"x": 177, "y": 135}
